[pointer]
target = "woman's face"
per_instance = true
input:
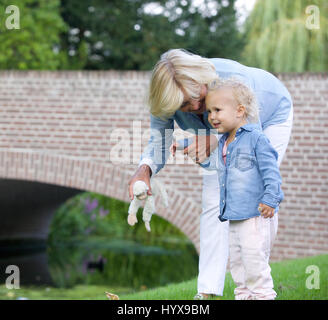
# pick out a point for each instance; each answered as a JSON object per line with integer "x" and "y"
{"x": 195, "y": 106}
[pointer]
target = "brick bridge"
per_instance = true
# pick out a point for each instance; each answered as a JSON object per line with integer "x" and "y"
{"x": 66, "y": 132}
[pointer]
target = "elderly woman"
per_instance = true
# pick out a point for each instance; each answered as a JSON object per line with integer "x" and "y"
{"x": 177, "y": 93}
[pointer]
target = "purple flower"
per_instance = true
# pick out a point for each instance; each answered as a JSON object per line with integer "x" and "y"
{"x": 90, "y": 205}
{"x": 93, "y": 217}
{"x": 103, "y": 212}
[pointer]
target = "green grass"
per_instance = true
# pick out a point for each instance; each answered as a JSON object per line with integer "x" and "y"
{"x": 289, "y": 278}
{"x": 79, "y": 292}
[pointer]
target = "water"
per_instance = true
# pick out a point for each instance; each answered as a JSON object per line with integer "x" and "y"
{"x": 101, "y": 261}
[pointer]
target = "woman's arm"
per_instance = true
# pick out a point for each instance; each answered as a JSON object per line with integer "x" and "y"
{"x": 155, "y": 154}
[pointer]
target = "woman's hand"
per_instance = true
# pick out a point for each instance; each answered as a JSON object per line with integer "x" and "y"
{"x": 143, "y": 173}
{"x": 266, "y": 211}
{"x": 201, "y": 148}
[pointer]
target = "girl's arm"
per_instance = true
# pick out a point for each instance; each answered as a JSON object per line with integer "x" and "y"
{"x": 210, "y": 163}
{"x": 267, "y": 161}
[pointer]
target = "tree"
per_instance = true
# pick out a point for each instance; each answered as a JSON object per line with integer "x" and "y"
{"x": 288, "y": 36}
{"x": 33, "y": 45}
{"x": 211, "y": 29}
{"x": 126, "y": 34}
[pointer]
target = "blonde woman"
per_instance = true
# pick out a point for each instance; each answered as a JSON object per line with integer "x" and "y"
{"x": 177, "y": 92}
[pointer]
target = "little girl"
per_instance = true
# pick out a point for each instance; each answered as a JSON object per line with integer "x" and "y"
{"x": 250, "y": 186}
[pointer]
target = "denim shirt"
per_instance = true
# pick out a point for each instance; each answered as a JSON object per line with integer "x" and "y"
{"x": 274, "y": 100}
{"x": 250, "y": 175}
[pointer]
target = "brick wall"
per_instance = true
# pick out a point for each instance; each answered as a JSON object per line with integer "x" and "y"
{"x": 303, "y": 224}
{"x": 87, "y": 117}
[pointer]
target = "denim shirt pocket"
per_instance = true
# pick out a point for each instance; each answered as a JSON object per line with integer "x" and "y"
{"x": 245, "y": 159}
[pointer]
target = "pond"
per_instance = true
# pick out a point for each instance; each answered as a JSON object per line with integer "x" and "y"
{"x": 101, "y": 261}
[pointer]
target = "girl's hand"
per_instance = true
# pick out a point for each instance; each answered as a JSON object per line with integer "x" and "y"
{"x": 266, "y": 211}
{"x": 201, "y": 148}
{"x": 173, "y": 148}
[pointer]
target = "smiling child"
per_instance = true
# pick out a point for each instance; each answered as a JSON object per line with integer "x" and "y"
{"x": 250, "y": 186}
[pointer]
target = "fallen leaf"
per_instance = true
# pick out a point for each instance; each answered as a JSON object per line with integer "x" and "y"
{"x": 112, "y": 296}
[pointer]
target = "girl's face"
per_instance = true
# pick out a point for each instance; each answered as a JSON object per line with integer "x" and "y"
{"x": 224, "y": 112}
{"x": 195, "y": 106}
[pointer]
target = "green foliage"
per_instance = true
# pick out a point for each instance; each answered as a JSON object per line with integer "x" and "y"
{"x": 91, "y": 214}
{"x": 124, "y": 34}
{"x": 116, "y": 34}
{"x": 32, "y": 46}
{"x": 278, "y": 39}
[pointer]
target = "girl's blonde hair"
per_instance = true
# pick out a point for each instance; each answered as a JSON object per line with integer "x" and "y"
{"x": 242, "y": 93}
{"x": 178, "y": 72}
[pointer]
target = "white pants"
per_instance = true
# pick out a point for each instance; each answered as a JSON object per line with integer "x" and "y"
{"x": 251, "y": 241}
{"x": 214, "y": 234}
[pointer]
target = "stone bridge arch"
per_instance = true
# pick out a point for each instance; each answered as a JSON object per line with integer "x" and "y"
{"x": 100, "y": 177}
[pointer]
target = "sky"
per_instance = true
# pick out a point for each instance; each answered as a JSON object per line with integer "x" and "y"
{"x": 243, "y": 8}
{"x": 247, "y": 4}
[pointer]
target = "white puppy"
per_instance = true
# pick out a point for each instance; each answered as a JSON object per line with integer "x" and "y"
{"x": 140, "y": 193}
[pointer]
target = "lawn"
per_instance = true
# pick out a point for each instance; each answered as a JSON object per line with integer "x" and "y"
{"x": 290, "y": 279}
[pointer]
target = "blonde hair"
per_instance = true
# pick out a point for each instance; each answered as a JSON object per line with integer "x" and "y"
{"x": 178, "y": 72}
{"x": 242, "y": 93}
